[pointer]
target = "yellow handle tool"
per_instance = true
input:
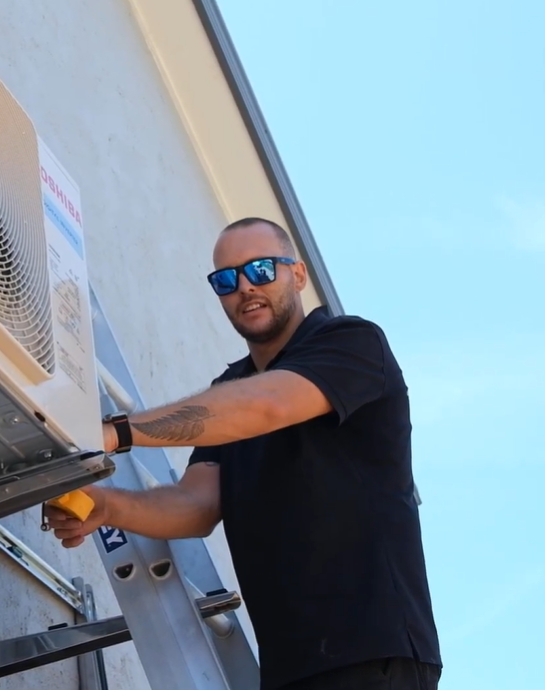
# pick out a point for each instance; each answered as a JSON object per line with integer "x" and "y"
{"x": 77, "y": 504}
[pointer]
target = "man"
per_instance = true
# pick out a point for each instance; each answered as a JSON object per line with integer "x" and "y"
{"x": 303, "y": 449}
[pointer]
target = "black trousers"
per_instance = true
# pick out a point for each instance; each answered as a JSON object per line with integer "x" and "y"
{"x": 384, "y": 674}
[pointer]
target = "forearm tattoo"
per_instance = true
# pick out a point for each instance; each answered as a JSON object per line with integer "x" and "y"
{"x": 184, "y": 424}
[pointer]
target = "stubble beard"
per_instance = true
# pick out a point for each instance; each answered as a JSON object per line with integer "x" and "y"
{"x": 281, "y": 315}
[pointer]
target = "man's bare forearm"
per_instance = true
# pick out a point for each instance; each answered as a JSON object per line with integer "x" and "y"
{"x": 231, "y": 412}
{"x": 222, "y": 414}
{"x": 165, "y": 512}
{"x": 176, "y": 424}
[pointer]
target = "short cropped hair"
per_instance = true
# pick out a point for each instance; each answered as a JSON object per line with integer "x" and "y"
{"x": 282, "y": 235}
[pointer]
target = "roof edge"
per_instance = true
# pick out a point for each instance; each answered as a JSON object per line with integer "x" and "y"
{"x": 239, "y": 84}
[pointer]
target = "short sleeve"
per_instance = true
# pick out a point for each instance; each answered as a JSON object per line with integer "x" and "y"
{"x": 344, "y": 359}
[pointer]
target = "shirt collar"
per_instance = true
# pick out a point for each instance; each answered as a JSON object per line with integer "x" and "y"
{"x": 246, "y": 366}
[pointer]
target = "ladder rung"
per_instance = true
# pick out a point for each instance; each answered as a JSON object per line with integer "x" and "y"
{"x": 31, "y": 651}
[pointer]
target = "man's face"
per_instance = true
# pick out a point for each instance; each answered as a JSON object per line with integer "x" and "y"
{"x": 258, "y": 313}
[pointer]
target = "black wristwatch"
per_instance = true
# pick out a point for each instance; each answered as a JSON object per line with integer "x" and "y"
{"x": 122, "y": 427}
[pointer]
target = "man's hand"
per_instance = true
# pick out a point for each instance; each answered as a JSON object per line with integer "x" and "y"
{"x": 71, "y": 531}
{"x": 188, "y": 509}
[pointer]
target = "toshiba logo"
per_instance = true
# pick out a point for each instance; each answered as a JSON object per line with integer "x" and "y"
{"x": 60, "y": 195}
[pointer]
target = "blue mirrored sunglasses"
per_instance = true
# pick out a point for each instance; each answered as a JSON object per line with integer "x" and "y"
{"x": 258, "y": 272}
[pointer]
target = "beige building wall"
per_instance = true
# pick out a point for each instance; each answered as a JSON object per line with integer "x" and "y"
{"x": 130, "y": 99}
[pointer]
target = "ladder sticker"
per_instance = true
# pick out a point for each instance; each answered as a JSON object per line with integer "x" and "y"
{"x": 112, "y": 538}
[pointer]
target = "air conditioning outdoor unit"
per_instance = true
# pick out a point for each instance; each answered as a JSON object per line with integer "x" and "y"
{"x": 50, "y": 419}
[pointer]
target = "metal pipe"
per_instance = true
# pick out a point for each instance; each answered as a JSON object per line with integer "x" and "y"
{"x": 115, "y": 390}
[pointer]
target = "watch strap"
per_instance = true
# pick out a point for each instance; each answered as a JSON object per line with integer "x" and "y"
{"x": 123, "y": 430}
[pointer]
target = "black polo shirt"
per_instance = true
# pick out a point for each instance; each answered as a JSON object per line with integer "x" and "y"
{"x": 320, "y": 517}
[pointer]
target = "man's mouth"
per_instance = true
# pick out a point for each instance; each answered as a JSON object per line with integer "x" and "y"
{"x": 253, "y": 306}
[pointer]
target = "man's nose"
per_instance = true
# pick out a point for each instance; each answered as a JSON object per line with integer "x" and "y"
{"x": 244, "y": 284}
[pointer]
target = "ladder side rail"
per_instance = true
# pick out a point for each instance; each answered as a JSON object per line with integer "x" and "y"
{"x": 177, "y": 636}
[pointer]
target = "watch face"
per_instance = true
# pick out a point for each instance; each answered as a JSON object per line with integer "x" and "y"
{"x": 115, "y": 417}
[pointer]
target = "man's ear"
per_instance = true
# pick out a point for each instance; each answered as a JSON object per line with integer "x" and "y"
{"x": 301, "y": 276}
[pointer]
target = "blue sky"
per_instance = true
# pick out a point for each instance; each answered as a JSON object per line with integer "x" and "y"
{"x": 414, "y": 134}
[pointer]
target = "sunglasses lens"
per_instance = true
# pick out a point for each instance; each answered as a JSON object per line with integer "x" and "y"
{"x": 260, "y": 272}
{"x": 224, "y": 282}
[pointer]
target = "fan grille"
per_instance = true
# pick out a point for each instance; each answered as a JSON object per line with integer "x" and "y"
{"x": 25, "y": 300}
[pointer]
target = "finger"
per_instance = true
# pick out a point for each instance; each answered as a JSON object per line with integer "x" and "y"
{"x": 55, "y": 513}
{"x": 68, "y": 533}
{"x": 65, "y": 523}
{"x": 72, "y": 542}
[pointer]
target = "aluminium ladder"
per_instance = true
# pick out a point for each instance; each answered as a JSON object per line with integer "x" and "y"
{"x": 185, "y": 640}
